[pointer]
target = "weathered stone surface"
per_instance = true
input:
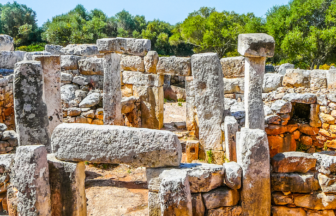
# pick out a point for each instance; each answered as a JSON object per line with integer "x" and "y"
{"x": 306, "y": 98}
{"x": 253, "y": 157}
{"x": 175, "y": 196}
{"x": 53, "y": 49}
{"x": 331, "y": 78}
{"x": 316, "y": 200}
{"x": 296, "y": 78}
{"x": 209, "y": 99}
{"x": 281, "y": 129}
{"x": 80, "y": 49}
{"x": 128, "y": 104}
{"x": 232, "y": 175}
{"x": 233, "y": 67}
{"x": 314, "y": 116}
{"x": 229, "y": 211}
{"x": 32, "y": 181}
{"x": 279, "y": 198}
{"x": 293, "y": 162}
{"x": 80, "y": 80}
{"x": 129, "y": 46}
{"x": 285, "y": 211}
{"x": 326, "y": 118}
{"x": 3, "y": 127}
{"x": 91, "y": 66}
{"x": 30, "y": 110}
{"x": 66, "y": 78}
{"x": 326, "y": 162}
{"x": 112, "y": 90}
{"x": 256, "y": 45}
{"x": 320, "y": 213}
{"x": 51, "y": 66}
{"x": 273, "y": 119}
{"x": 9, "y": 58}
{"x": 6, "y": 43}
{"x": 68, "y": 92}
{"x": 154, "y": 208}
{"x": 327, "y": 182}
{"x": 237, "y": 110}
{"x": 179, "y": 66}
{"x": 67, "y": 187}
{"x": 234, "y": 85}
{"x": 197, "y": 205}
{"x": 306, "y": 129}
{"x": 151, "y": 60}
{"x": 69, "y": 62}
{"x": 272, "y": 81}
{"x": 284, "y": 67}
{"x": 294, "y": 182}
{"x": 318, "y": 79}
{"x": 90, "y": 101}
{"x": 115, "y": 144}
{"x": 281, "y": 106}
{"x": 231, "y": 127}
{"x": 138, "y": 78}
{"x": 132, "y": 63}
{"x": 192, "y": 149}
{"x": 220, "y": 197}
{"x": 29, "y": 56}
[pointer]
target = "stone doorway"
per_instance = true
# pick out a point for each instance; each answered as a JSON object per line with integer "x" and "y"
{"x": 300, "y": 113}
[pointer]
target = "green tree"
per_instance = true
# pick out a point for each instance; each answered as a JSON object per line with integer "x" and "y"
{"x": 130, "y": 26}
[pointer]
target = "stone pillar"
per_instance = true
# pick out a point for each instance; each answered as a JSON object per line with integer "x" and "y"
{"x": 190, "y": 104}
{"x": 255, "y": 48}
{"x": 51, "y": 66}
{"x": 31, "y": 178}
{"x": 112, "y": 90}
{"x": 253, "y": 157}
{"x": 31, "y": 118}
{"x": 231, "y": 128}
{"x": 209, "y": 99}
{"x": 67, "y": 186}
{"x": 331, "y": 78}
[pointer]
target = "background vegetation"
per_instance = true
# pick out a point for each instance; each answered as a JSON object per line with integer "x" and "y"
{"x": 304, "y": 30}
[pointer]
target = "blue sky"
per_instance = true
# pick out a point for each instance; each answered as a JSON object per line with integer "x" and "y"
{"x": 171, "y": 11}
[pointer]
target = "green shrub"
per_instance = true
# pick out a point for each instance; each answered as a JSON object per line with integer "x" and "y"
{"x": 209, "y": 156}
{"x": 180, "y": 104}
{"x": 301, "y": 147}
{"x": 32, "y": 48}
{"x": 180, "y": 100}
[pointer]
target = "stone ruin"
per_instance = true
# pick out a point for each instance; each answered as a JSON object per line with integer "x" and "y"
{"x": 270, "y": 136}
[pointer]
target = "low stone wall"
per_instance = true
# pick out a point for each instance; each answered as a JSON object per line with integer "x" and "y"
{"x": 7, "y": 102}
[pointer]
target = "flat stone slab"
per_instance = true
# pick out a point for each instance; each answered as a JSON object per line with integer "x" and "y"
{"x": 178, "y": 66}
{"x": 233, "y": 67}
{"x": 138, "y": 78}
{"x": 326, "y": 162}
{"x": 294, "y": 182}
{"x": 282, "y": 210}
{"x": 130, "y": 46}
{"x": 316, "y": 200}
{"x": 91, "y": 66}
{"x": 80, "y": 49}
{"x": 293, "y": 162}
{"x": 306, "y": 98}
{"x": 221, "y": 197}
{"x": 116, "y": 145}
{"x": 256, "y": 45}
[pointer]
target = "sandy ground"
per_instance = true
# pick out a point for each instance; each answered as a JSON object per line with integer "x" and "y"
{"x": 174, "y": 113}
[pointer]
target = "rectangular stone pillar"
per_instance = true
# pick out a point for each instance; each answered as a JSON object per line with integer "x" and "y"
{"x": 31, "y": 118}
{"x": 209, "y": 98}
{"x": 231, "y": 128}
{"x": 331, "y": 78}
{"x": 190, "y": 104}
{"x": 112, "y": 90}
{"x": 253, "y": 157}
{"x": 51, "y": 66}
{"x": 67, "y": 186}
{"x": 31, "y": 178}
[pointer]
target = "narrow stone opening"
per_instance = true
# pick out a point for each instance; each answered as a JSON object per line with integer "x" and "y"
{"x": 192, "y": 150}
{"x": 301, "y": 113}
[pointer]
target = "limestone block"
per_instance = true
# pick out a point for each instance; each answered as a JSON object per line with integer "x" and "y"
{"x": 279, "y": 198}
{"x": 253, "y": 157}
{"x": 306, "y": 129}
{"x": 112, "y": 90}
{"x": 234, "y": 85}
{"x": 69, "y": 62}
{"x": 209, "y": 99}
{"x": 3, "y": 81}
{"x": 314, "y": 116}
{"x": 175, "y": 196}
{"x": 90, "y": 101}
{"x": 127, "y": 90}
{"x": 154, "y": 208}
{"x": 232, "y": 175}
{"x": 91, "y": 66}
{"x": 296, "y": 78}
{"x": 322, "y": 99}
{"x": 294, "y": 182}
{"x": 115, "y": 144}
{"x": 51, "y": 66}
{"x": 220, "y": 197}
{"x": 316, "y": 200}
{"x": 67, "y": 187}
{"x": 326, "y": 162}
{"x": 238, "y": 110}
{"x": 192, "y": 149}
{"x": 53, "y": 49}
{"x": 132, "y": 63}
{"x": 231, "y": 211}
{"x": 272, "y": 81}
{"x": 256, "y": 45}
{"x": 73, "y": 111}
{"x": 31, "y": 115}
{"x": 80, "y": 49}
{"x": 331, "y": 78}
{"x": 318, "y": 79}
{"x": 66, "y": 78}
{"x": 9, "y": 58}
{"x": 325, "y": 118}
{"x": 284, "y": 67}
{"x": 328, "y": 183}
{"x": 231, "y": 127}
{"x": 281, "y": 106}
{"x": 138, "y": 78}
{"x": 68, "y": 92}
{"x": 130, "y": 46}
{"x": 198, "y": 208}
{"x": 233, "y": 67}
{"x": 151, "y": 60}
{"x": 285, "y": 211}
{"x": 80, "y": 80}
{"x": 32, "y": 181}
{"x": 29, "y": 56}
{"x": 178, "y": 66}
{"x": 288, "y": 162}
{"x": 306, "y": 98}
{"x": 320, "y": 213}
{"x": 6, "y": 43}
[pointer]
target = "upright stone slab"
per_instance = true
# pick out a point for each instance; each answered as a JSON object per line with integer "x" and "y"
{"x": 31, "y": 117}
{"x": 253, "y": 156}
{"x": 190, "y": 104}
{"x": 331, "y": 79}
{"x": 31, "y": 178}
{"x": 209, "y": 98}
{"x": 67, "y": 186}
{"x": 51, "y": 66}
{"x": 112, "y": 90}
{"x": 231, "y": 127}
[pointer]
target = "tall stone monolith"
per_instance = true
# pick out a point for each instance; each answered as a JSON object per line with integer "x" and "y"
{"x": 231, "y": 128}
{"x": 51, "y": 66}
{"x": 31, "y": 117}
